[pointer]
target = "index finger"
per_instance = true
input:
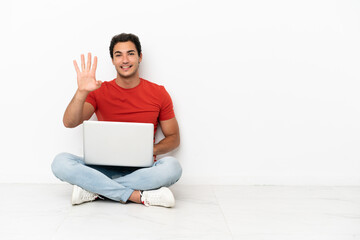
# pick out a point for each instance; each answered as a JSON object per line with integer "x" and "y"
{"x": 93, "y": 69}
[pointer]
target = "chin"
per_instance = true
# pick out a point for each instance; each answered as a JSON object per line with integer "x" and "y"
{"x": 126, "y": 75}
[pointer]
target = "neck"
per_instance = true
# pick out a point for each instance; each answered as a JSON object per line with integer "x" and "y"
{"x": 130, "y": 82}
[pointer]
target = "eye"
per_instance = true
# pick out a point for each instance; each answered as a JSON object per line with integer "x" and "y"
{"x": 131, "y": 53}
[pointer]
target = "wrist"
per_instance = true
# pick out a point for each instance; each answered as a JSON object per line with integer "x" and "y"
{"x": 82, "y": 93}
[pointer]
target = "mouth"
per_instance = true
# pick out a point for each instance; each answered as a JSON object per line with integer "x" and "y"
{"x": 126, "y": 67}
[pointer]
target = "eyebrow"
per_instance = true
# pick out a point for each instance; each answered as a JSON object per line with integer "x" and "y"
{"x": 127, "y": 51}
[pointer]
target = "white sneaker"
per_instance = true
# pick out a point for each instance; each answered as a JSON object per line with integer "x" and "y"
{"x": 80, "y": 196}
{"x": 160, "y": 197}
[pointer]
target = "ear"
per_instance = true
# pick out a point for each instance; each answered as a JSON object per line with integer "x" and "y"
{"x": 140, "y": 58}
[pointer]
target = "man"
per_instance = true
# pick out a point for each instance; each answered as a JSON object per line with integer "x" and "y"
{"x": 127, "y": 98}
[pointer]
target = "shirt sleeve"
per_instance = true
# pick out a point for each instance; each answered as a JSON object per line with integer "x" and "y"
{"x": 167, "y": 109}
{"x": 91, "y": 99}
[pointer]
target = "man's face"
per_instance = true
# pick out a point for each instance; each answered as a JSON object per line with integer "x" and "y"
{"x": 126, "y": 59}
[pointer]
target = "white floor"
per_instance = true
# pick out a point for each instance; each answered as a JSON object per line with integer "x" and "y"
{"x": 43, "y": 211}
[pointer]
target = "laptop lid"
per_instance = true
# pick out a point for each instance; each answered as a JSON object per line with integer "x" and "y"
{"x": 118, "y": 143}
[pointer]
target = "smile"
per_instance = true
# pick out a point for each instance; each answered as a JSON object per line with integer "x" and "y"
{"x": 126, "y": 67}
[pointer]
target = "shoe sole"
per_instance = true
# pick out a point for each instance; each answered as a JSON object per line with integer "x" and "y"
{"x": 75, "y": 192}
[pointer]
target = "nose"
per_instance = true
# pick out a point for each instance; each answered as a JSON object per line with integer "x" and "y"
{"x": 125, "y": 59}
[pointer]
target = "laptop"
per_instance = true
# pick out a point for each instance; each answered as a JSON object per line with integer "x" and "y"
{"x": 118, "y": 143}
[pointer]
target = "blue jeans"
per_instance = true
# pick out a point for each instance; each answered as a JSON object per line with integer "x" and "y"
{"x": 116, "y": 183}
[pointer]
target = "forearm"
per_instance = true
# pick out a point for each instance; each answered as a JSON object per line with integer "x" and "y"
{"x": 167, "y": 144}
{"x": 73, "y": 115}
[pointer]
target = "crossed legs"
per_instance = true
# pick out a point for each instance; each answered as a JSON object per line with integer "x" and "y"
{"x": 116, "y": 183}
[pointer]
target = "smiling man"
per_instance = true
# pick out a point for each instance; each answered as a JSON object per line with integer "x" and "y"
{"x": 127, "y": 98}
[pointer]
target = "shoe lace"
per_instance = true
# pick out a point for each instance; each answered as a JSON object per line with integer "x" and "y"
{"x": 88, "y": 195}
{"x": 152, "y": 199}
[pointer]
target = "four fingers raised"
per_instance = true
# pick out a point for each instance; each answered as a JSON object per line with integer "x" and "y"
{"x": 88, "y": 64}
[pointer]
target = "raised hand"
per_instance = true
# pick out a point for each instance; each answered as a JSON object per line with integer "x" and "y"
{"x": 86, "y": 79}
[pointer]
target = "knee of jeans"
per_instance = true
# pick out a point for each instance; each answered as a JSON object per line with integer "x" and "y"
{"x": 174, "y": 168}
{"x": 59, "y": 165}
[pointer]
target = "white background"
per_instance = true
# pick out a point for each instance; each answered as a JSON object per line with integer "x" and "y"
{"x": 265, "y": 92}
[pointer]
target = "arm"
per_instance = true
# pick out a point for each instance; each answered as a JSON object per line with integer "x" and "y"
{"x": 170, "y": 129}
{"x": 78, "y": 110}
